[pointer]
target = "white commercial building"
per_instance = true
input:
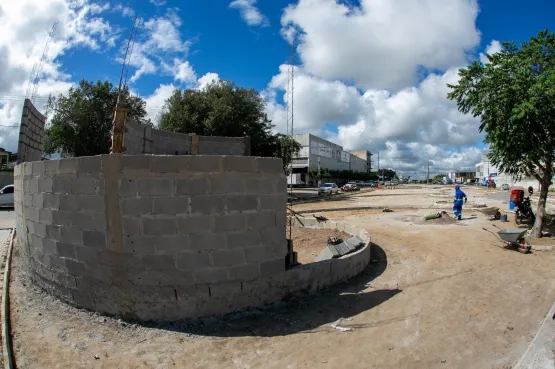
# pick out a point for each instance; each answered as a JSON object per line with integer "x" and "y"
{"x": 319, "y": 153}
{"x": 486, "y": 169}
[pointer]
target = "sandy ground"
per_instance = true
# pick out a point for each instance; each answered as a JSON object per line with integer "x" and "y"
{"x": 438, "y": 294}
{"x": 309, "y": 243}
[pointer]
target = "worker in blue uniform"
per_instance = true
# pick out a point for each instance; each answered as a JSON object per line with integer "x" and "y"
{"x": 458, "y": 203}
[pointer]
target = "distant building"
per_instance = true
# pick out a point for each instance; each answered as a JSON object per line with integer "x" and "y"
{"x": 366, "y": 156}
{"x": 486, "y": 169}
{"x": 319, "y": 153}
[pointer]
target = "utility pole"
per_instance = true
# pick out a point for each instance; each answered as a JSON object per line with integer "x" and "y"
{"x": 379, "y": 166}
{"x": 318, "y": 172}
{"x": 428, "y": 176}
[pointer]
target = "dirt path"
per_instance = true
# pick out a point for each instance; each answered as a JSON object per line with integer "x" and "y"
{"x": 436, "y": 296}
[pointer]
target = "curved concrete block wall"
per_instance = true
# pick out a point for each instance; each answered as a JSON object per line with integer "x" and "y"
{"x": 127, "y": 235}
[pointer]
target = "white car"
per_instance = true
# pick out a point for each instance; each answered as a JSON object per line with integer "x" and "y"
{"x": 328, "y": 189}
{"x": 6, "y": 196}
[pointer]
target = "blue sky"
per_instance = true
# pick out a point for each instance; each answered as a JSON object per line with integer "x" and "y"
{"x": 373, "y": 79}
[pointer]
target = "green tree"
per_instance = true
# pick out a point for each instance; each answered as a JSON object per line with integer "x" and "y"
{"x": 286, "y": 148}
{"x": 80, "y": 122}
{"x": 222, "y": 109}
{"x": 514, "y": 96}
{"x": 439, "y": 177}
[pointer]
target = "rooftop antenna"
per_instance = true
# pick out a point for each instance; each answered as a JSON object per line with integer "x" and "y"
{"x": 290, "y": 121}
{"x": 120, "y": 110}
{"x": 37, "y": 71}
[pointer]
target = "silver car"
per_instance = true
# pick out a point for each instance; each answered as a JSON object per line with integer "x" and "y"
{"x": 6, "y": 196}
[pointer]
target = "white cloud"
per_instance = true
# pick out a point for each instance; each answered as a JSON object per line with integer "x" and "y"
{"x": 124, "y": 10}
{"x": 158, "y": 2}
{"x": 181, "y": 71}
{"x": 156, "y": 101}
{"x": 493, "y": 48}
{"x": 382, "y": 44}
{"x": 413, "y": 118}
{"x": 207, "y": 79}
{"x": 23, "y": 32}
{"x": 159, "y": 38}
{"x": 250, "y": 13}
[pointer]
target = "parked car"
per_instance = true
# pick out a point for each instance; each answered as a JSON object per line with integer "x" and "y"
{"x": 6, "y": 196}
{"x": 328, "y": 189}
{"x": 351, "y": 187}
{"x": 505, "y": 187}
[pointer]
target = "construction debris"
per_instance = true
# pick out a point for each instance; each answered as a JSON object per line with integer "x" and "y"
{"x": 336, "y": 325}
{"x": 387, "y": 210}
{"x": 433, "y": 216}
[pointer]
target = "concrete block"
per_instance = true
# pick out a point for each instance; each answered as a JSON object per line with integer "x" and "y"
{"x": 68, "y": 166}
{"x": 91, "y": 203}
{"x": 204, "y": 163}
{"x": 45, "y": 216}
{"x": 159, "y": 226}
{"x": 94, "y": 239}
{"x": 171, "y": 205}
{"x": 84, "y": 186}
{"x": 228, "y": 183}
{"x": 230, "y": 223}
{"x": 169, "y": 164}
{"x": 89, "y": 164}
{"x": 61, "y": 185}
{"x": 241, "y": 203}
{"x": 83, "y": 300}
{"x": 210, "y": 275}
{"x": 53, "y": 232}
{"x": 51, "y": 201}
{"x": 79, "y": 220}
{"x": 155, "y": 186}
{"x": 40, "y": 230}
{"x": 127, "y": 188}
{"x": 190, "y": 260}
{"x": 135, "y": 162}
{"x": 69, "y": 203}
{"x": 51, "y": 167}
{"x": 281, "y": 219}
{"x": 208, "y": 241}
{"x": 75, "y": 268}
{"x": 273, "y": 202}
{"x": 45, "y": 185}
{"x": 260, "y": 253}
{"x": 86, "y": 254}
{"x": 239, "y": 164}
{"x": 159, "y": 262}
{"x": 243, "y": 271}
{"x": 261, "y": 220}
{"x": 201, "y": 204}
{"x": 192, "y": 186}
{"x": 131, "y": 226}
{"x": 65, "y": 250}
{"x": 242, "y": 239}
{"x": 99, "y": 222}
{"x": 49, "y": 246}
{"x": 136, "y": 206}
{"x": 33, "y": 186}
{"x": 131, "y": 263}
{"x": 163, "y": 278}
{"x": 227, "y": 257}
{"x": 269, "y": 165}
{"x": 139, "y": 244}
{"x": 272, "y": 266}
{"x": 72, "y": 235}
{"x": 195, "y": 224}
{"x": 258, "y": 185}
{"x": 273, "y": 235}
{"x": 172, "y": 244}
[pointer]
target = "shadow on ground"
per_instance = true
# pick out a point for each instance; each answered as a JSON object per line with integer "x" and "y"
{"x": 308, "y": 314}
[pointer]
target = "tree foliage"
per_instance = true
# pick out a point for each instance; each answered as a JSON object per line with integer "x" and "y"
{"x": 222, "y": 109}
{"x": 514, "y": 96}
{"x": 286, "y": 148}
{"x": 81, "y": 121}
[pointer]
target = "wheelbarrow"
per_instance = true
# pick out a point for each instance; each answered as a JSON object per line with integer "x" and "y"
{"x": 492, "y": 213}
{"x": 514, "y": 237}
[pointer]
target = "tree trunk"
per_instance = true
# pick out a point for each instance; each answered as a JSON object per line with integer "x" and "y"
{"x": 540, "y": 212}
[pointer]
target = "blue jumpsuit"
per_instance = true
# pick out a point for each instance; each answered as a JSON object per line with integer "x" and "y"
{"x": 459, "y": 201}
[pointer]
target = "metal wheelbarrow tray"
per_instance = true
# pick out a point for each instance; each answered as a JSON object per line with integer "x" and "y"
{"x": 515, "y": 237}
{"x": 492, "y": 213}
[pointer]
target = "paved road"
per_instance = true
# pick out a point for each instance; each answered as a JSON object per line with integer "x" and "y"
{"x": 7, "y": 218}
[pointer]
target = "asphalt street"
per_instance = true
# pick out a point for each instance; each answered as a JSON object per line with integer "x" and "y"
{"x": 7, "y": 218}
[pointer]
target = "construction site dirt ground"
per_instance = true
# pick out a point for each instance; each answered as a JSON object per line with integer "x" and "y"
{"x": 436, "y": 295}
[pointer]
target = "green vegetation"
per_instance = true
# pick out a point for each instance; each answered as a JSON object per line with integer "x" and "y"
{"x": 514, "y": 97}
